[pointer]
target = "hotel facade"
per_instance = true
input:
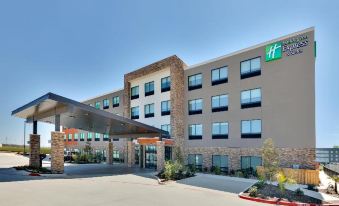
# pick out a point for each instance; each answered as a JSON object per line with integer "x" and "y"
{"x": 218, "y": 112}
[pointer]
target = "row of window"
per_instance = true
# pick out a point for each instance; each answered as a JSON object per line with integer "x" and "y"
{"x": 249, "y": 129}
{"x": 81, "y": 137}
{"x": 222, "y": 161}
{"x": 149, "y": 88}
{"x": 248, "y": 68}
{"x": 149, "y": 110}
{"x": 106, "y": 103}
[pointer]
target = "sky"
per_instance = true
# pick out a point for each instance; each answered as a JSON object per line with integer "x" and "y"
{"x": 82, "y": 48}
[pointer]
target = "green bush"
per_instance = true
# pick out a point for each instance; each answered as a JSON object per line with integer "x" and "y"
{"x": 175, "y": 171}
{"x": 253, "y": 191}
{"x": 260, "y": 184}
{"x": 217, "y": 170}
{"x": 299, "y": 192}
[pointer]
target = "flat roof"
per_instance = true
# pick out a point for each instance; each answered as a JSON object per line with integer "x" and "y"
{"x": 77, "y": 115}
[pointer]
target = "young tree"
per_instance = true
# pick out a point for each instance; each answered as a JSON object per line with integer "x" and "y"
{"x": 270, "y": 159}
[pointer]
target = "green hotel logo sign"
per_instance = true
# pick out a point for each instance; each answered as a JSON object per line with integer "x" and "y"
{"x": 273, "y": 51}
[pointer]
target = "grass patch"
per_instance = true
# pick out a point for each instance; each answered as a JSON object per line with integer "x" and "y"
{"x": 20, "y": 149}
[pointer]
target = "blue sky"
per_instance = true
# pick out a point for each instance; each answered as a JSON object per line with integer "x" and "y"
{"x": 79, "y": 48}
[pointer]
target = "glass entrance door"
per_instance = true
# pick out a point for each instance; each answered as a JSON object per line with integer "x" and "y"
{"x": 150, "y": 156}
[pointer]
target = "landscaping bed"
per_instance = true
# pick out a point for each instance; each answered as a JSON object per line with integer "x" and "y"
{"x": 272, "y": 194}
{"x": 175, "y": 171}
{"x": 34, "y": 170}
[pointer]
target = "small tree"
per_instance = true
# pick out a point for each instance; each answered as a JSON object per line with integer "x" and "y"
{"x": 270, "y": 159}
{"x": 283, "y": 180}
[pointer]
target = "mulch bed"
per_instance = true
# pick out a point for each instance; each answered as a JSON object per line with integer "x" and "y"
{"x": 272, "y": 192}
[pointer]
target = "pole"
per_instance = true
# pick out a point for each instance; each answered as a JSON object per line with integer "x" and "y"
{"x": 25, "y": 137}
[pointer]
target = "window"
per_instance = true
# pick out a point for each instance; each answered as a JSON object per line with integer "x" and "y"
{"x": 165, "y": 108}
{"x": 248, "y": 162}
{"x": 105, "y": 103}
{"x": 97, "y": 105}
{"x": 195, "y": 131}
{"x": 69, "y": 137}
{"x": 97, "y": 137}
{"x": 167, "y": 128}
{"x": 165, "y": 84}
{"x": 135, "y": 113}
{"x": 195, "y": 106}
{"x": 251, "y": 128}
{"x": 220, "y": 103}
{"x": 220, "y": 161}
{"x": 116, "y": 101}
{"x": 89, "y": 136}
{"x": 168, "y": 153}
{"x": 149, "y": 110}
{"x": 149, "y": 88}
{"x": 195, "y": 160}
{"x": 195, "y": 82}
{"x": 220, "y": 130}
{"x": 65, "y": 138}
{"x": 76, "y": 137}
{"x": 250, "y": 68}
{"x": 106, "y": 137}
{"x": 251, "y": 98}
{"x": 115, "y": 139}
{"x": 116, "y": 156}
{"x": 135, "y": 92}
{"x": 219, "y": 76}
{"x": 82, "y": 136}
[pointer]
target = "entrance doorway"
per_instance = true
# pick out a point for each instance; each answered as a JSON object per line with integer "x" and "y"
{"x": 150, "y": 156}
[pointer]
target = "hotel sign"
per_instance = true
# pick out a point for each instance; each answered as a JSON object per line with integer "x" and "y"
{"x": 287, "y": 47}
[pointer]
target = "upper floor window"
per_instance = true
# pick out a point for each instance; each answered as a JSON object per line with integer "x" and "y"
{"x": 220, "y": 130}
{"x": 195, "y": 106}
{"x": 195, "y": 131}
{"x": 195, "y": 82}
{"x": 82, "y": 136}
{"x": 251, "y": 128}
{"x": 69, "y": 137}
{"x": 106, "y": 137}
{"x": 219, "y": 75}
{"x": 115, "y": 139}
{"x": 105, "y": 103}
{"x": 135, "y": 113}
{"x": 89, "y": 136}
{"x": 149, "y": 110}
{"x": 76, "y": 137}
{"x": 165, "y": 84}
{"x": 251, "y": 98}
{"x": 250, "y": 68}
{"x": 220, "y": 103}
{"x": 97, "y": 137}
{"x": 149, "y": 88}
{"x": 165, "y": 108}
{"x": 97, "y": 105}
{"x": 167, "y": 128}
{"x": 116, "y": 101}
{"x": 135, "y": 92}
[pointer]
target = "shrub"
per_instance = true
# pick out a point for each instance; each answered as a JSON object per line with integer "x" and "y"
{"x": 253, "y": 191}
{"x": 176, "y": 171}
{"x": 299, "y": 192}
{"x": 239, "y": 174}
{"x": 260, "y": 184}
{"x": 217, "y": 170}
{"x": 283, "y": 180}
{"x": 205, "y": 169}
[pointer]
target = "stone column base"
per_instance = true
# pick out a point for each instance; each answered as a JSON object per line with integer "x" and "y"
{"x": 34, "y": 155}
{"x": 109, "y": 158}
{"x": 131, "y": 153}
{"x": 57, "y": 152}
{"x": 160, "y": 155}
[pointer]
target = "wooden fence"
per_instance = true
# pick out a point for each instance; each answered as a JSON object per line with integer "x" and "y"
{"x": 301, "y": 176}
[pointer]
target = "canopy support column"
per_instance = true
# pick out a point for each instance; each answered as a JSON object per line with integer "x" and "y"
{"x": 57, "y": 152}
{"x": 109, "y": 158}
{"x": 131, "y": 153}
{"x": 34, "y": 155}
{"x": 160, "y": 155}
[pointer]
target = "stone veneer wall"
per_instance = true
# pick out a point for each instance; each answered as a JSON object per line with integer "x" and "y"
{"x": 160, "y": 155}
{"x": 305, "y": 157}
{"x": 57, "y": 152}
{"x": 34, "y": 155}
{"x": 109, "y": 150}
{"x": 131, "y": 153}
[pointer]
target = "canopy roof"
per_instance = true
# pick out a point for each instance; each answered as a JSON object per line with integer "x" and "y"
{"x": 77, "y": 115}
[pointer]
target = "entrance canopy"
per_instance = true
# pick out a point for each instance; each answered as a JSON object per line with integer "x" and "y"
{"x": 52, "y": 108}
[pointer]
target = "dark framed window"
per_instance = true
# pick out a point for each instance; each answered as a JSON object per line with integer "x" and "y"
{"x": 76, "y": 137}
{"x": 115, "y": 139}
{"x": 97, "y": 137}
{"x": 166, "y": 84}
{"x": 219, "y": 103}
{"x": 135, "y": 113}
{"x": 65, "y": 138}
{"x": 195, "y": 131}
{"x": 195, "y": 82}
{"x": 97, "y": 105}
{"x": 82, "y": 137}
{"x": 219, "y": 76}
{"x": 251, "y": 98}
{"x": 195, "y": 106}
{"x": 220, "y": 161}
{"x": 220, "y": 130}
{"x": 106, "y": 137}
{"x": 195, "y": 160}
{"x": 149, "y": 110}
{"x": 69, "y": 137}
{"x": 105, "y": 103}
{"x": 116, "y": 101}
{"x": 167, "y": 128}
{"x": 89, "y": 136}
{"x": 168, "y": 153}
{"x": 135, "y": 92}
{"x": 149, "y": 88}
{"x": 250, "y": 162}
{"x": 251, "y": 128}
{"x": 250, "y": 68}
{"x": 165, "y": 108}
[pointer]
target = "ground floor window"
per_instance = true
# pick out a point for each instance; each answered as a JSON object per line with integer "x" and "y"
{"x": 250, "y": 162}
{"x": 168, "y": 153}
{"x": 195, "y": 160}
{"x": 220, "y": 161}
{"x": 150, "y": 156}
{"x": 136, "y": 154}
{"x": 116, "y": 155}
